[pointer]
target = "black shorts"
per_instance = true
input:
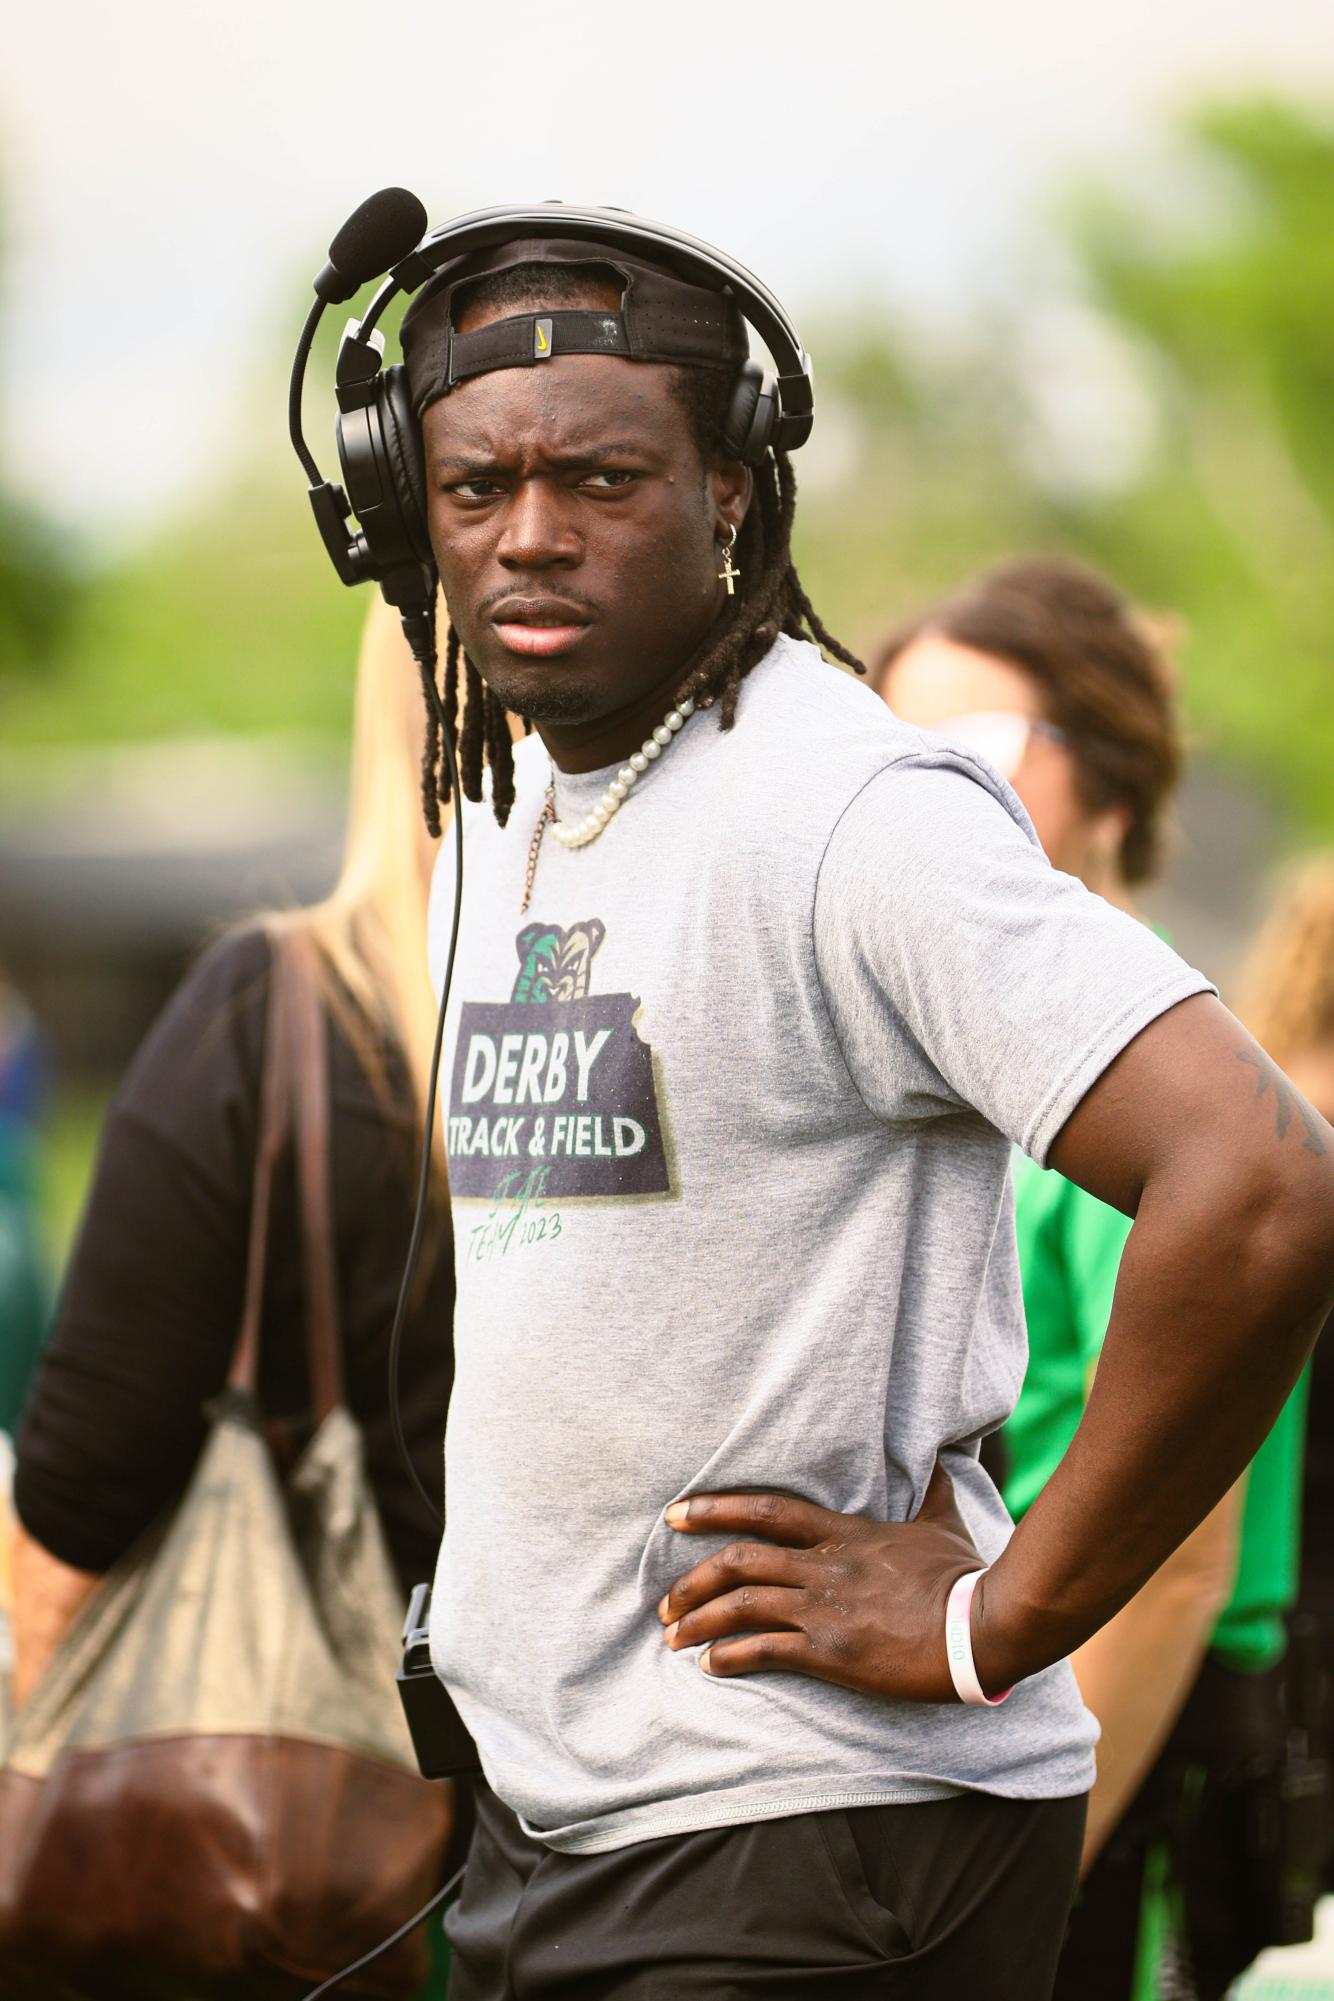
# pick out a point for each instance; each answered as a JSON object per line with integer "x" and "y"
{"x": 936, "y": 1901}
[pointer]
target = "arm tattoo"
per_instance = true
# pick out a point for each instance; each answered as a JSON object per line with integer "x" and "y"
{"x": 1286, "y": 1099}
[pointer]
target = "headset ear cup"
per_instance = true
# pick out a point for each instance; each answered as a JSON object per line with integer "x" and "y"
{"x": 748, "y": 429}
{"x": 403, "y": 451}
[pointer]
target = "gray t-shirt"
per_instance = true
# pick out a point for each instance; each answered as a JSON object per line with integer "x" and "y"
{"x": 729, "y": 1111}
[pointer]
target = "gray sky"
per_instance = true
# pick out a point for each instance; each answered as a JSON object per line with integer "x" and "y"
{"x": 172, "y": 168}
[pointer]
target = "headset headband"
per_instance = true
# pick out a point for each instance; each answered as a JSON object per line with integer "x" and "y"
{"x": 614, "y": 228}
{"x": 658, "y": 317}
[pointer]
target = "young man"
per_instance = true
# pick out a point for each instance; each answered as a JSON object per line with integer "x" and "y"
{"x": 744, "y": 1022}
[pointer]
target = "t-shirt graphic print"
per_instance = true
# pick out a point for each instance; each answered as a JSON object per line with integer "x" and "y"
{"x": 553, "y": 1094}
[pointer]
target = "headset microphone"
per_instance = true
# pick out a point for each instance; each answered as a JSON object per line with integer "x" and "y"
{"x": 383, "y": 231}
{"x": 379, "y": 233}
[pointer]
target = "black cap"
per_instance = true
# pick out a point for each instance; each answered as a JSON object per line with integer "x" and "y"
{"x": 662, "y": 317}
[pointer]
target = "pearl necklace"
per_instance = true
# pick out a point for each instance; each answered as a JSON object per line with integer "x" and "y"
{"x": 612, "y": 800}
{"x": 618, "y": 791}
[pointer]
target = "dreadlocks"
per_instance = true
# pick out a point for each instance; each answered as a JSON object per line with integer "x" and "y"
{"x": 771, "y": 599}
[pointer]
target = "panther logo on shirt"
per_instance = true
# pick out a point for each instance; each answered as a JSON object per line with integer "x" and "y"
{"x": 555, "y": 1082}
{"x": 555, "y": 965}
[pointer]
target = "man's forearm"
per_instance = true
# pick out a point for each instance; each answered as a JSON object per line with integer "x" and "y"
{"x": 1221, "y": 1294}
{"x": 1223, "y": 1286}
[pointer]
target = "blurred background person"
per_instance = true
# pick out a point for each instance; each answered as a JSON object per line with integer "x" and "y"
{"x": 1286, "y": 999}
{"x": 1044, "y": 669}
{"x": 148, "y": 1313}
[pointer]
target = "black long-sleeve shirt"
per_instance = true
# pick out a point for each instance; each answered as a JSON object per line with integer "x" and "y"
{"x": 151, "y": 1302}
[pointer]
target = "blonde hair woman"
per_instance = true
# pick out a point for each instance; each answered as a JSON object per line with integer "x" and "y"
{"x": 152, "y": 1298}
{"x": 1287, "y": 989}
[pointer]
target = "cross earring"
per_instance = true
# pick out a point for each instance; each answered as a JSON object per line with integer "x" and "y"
{"x": 729, "y": 571}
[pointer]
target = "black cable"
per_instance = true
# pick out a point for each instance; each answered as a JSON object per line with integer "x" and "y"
{"x": 402, "y": 1932}
{"x": 296, "y": 385}
{"x": 428, "y": 1135}
{"x": 414, "y": 1248}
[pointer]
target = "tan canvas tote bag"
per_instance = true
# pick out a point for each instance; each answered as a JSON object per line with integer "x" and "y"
{"x": 212, "y": 1791}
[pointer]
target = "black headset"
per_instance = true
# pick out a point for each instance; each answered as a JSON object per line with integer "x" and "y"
{"x": 379, "y": 436}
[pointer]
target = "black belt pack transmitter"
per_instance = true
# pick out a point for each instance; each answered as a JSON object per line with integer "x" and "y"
{"x": 444, "y": 1748}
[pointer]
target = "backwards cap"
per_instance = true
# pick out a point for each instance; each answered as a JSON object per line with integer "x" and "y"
{"x": 661, "y": 317}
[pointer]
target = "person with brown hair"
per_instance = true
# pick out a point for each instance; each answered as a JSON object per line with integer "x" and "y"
{"x": 1044, "y": 667}
{"x": 1070, "y": 692}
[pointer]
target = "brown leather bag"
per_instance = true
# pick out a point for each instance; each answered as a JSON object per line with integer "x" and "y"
{"x": 212, "y": 1792}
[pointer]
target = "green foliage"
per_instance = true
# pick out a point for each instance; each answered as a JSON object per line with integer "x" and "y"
{"x": 38, "y": 582}
{"x": 1229, "y": 520}
{"x": 228, "y": 620}
{"x": 231, "y": 621}
{"x": 37, "y": 591}
{"x": 1233, "y": 522}
{"x": 931, "y": 493}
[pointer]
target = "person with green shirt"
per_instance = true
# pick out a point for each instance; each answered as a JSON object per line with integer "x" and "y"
{"x": 1043, "y": 668}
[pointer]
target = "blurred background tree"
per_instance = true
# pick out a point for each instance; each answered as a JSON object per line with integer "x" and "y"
{"x": 224, "y": 622}
{"x": 1234, "y": 522}
{"x": 38, "y": 589}
{"x": 38, "y": 576}
{"x": 1175, "y": 423}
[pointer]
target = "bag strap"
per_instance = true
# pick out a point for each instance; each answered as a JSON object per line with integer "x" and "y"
{"x": 314, "y": 1172}
{"x": 275, "y": 1105}
{"x": 294, "y": 1097}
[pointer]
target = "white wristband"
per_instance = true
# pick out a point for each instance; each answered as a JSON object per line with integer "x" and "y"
{"x": 959, "y": 1644}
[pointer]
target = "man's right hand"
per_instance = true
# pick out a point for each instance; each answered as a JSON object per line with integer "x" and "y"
{"x": 840, "y": 1597}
